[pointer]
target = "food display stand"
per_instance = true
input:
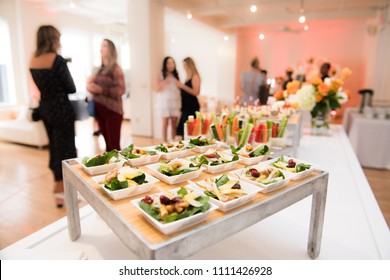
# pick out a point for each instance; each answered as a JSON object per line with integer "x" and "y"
{"x": 148, "y": 243}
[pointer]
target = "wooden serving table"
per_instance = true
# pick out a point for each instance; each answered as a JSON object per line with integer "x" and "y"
{"x": 148, "y": 243}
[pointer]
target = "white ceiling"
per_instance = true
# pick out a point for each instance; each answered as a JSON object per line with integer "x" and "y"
{"x": 227, "y": 15}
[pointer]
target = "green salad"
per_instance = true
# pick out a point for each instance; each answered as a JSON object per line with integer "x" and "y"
{"x": 176, "y": 167}
{"x": 202, "y": 141}
{"x": 131, "y": 152}
{"x": 212, "y": 158}
{"x": 122, "y": 178}
{"x": 169, "y": 207}
{"x": 223, "y": 188}
{"x": 264, "y": 176}
{"x": 173, "y": 147}
{"x": 290, "y": 165}
{"x": 249, "y": 151}
{"x": 101, "y": 159}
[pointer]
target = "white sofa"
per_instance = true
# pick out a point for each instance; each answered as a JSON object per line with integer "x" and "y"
{"x": 22, "y": 130}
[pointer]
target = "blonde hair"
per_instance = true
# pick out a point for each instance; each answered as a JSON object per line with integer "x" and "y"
{"x": 48, "y": 40}
{"x": 191, "y": 65}
{"x": 112, "y": 57}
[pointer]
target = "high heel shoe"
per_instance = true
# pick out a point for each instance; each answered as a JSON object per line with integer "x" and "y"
{"x": 59, "y": 199}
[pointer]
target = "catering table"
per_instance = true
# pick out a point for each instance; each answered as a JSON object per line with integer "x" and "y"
{"x": 369, "y": 138}
{"x": 354, "y": 227}
{"x": 148, "y": 243}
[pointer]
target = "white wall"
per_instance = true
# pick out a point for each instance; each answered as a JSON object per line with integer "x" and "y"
{"x": 215, "y": 57}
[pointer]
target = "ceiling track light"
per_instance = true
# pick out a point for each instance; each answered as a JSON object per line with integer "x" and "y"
{"x": 189, "y": 15}
{"x": 302, "y": 18}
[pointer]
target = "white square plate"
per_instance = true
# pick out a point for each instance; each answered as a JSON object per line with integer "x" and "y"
{"x": 144, "y": 159}
{"x": 178, "y": 225}
{"x": 100, "y": 169}
{"x": 203, "y": 149}
{"x": 212, "y": 169}
{"x": 175, "y": 154}
{"x": 263, "y": 187}
{"x": 245, "y": 159}
{"x": 248, "y": 188}
{"x": 171, "y": 180}
{"x": 295, "y": 176}
{"x": 127, "y": 192}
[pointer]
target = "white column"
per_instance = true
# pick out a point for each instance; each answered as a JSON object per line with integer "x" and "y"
{"x": 382, "y": 66}
{"x": 146, "y": 38}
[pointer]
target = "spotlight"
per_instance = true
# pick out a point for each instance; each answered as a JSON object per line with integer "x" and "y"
{"x": 261, "y": 36}
{"x": 302, "y": 19}
{"x": 226, "y": 38}
{"x": 306, "y": 27}
{"x": 72, "y": 4}
{"x": 189, "y": 15}
{"x": 253, "y": 8}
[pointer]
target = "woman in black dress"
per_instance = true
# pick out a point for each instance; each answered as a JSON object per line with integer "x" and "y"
{"x": 52, "y": 77}
{"x": 189, "y": 92}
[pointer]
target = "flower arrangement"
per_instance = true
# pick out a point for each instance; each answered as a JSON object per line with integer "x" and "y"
{"x": 317, "y": 96}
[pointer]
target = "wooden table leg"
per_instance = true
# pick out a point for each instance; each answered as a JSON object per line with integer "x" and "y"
{"x": 73, "y": 214}
{"x": 317, "y": 218}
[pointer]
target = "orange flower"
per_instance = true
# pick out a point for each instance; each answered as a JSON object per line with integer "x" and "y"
{"x": 316, "y": 81}
{"x": 292, "y": 87}
{"x": 345, "y": 73}
{"x": 336, "y": 84}
{"x": 279, "y": 95}
{"x": 323, "y": 89}
{"x": 319, "y": 97}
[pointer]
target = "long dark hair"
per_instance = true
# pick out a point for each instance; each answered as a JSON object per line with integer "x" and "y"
{"x": 164, "y": 69}
{"x": 48, "y": 40}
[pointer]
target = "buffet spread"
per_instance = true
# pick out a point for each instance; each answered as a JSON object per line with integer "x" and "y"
{"x": 173, "y": 199}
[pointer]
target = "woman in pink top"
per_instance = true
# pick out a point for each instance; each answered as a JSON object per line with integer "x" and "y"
{"x": 107, "y": 87}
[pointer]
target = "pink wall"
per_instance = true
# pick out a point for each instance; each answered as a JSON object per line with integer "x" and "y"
{"x": 337, "y": 41}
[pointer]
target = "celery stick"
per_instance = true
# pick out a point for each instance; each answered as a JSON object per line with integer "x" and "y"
{"x": 239, "y": 135}
{"x": 246, "y": 134}
{"x": 282, "y": 127}
{"x": 269, "y": 124}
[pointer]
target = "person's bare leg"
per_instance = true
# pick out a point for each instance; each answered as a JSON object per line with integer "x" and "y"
{"x": 173, "y": 127}
{"x": 59, "y": 193}
{"x": 96, "y": 130}
{"x": 164, "y": 129}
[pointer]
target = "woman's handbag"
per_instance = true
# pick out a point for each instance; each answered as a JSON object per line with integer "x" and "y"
{"x": 91, "y": 108}
{"x": 35, "y": 114}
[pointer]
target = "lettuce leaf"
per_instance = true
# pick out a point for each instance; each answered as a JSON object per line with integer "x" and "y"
{"x": 259, "y": 151}
{"x": 222, "y": 180}
{"x": 161, "y": 148}
{"x": 115, "y": 185}
{"x": 100, "y": 159}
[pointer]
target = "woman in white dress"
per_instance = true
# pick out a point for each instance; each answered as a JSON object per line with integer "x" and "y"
{"x": 168, "y": 97}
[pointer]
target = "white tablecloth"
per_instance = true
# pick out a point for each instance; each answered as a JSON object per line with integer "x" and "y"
{"x": 370, "y": 139}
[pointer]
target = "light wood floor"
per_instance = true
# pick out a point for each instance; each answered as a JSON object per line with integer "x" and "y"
{"x": 26, "y": 201}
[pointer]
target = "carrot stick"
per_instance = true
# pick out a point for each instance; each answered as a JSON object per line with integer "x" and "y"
{"x": 225, "y": 119}
{"x": 235, "y": 127}
{"x": 219, "y": 131}
{"x": 198, "y": 122}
